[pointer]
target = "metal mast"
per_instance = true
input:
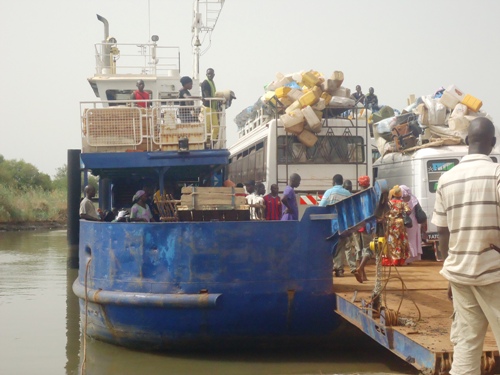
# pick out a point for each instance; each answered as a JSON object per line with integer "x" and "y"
{"x": 205, "y": 16}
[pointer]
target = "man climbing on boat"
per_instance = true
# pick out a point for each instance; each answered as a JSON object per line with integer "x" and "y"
{"x": 140, "y": 94}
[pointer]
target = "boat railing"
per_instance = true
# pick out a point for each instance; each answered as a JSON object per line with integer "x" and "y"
{"x": 166, "y": 125}
{"x": 146, "y": 58}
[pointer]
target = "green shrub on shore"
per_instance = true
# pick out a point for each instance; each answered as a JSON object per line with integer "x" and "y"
{"x": 32, "y": 204}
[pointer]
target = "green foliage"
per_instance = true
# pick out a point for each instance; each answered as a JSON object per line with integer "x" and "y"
{"x": 32, "y": 204}
{"x": 29, "y": 195}
{"x": 60, "y": 180}
{"x": 22, "y": 175}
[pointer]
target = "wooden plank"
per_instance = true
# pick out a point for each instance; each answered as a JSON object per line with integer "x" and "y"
{"x": 212, "y": 199}
{"x": 212, "y": 190}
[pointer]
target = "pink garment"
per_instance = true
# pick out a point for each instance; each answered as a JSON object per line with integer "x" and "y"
{"x": 414, "y": 236}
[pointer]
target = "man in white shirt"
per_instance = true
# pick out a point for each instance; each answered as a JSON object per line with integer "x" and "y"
{"x": 467, "y": 215}
{"x": 87, "y": 208}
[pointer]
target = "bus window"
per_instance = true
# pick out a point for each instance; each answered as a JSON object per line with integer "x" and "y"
{"x": 435, "y": 168}
{"x": 251, "y": 164}
{"x": 328, "y": 149}
{"x": 260, "y": 171}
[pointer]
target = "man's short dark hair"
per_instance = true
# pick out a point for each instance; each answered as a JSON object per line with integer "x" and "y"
{"x": 338, "y": 179}
{"x": 185, "y": 80}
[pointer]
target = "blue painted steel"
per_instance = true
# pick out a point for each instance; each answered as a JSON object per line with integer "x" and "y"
{"x": 355, "y": 211}
{"x": 388, "y": 337}
{"x": 119, "y": 160}
{"x": 274, "y": 280}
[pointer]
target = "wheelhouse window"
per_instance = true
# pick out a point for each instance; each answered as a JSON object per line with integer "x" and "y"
{"x": 329, "y": 149}
{"x": 119, "y": 95}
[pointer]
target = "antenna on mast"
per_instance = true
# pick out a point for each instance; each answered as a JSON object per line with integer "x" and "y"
{"x": 205, "y": 16}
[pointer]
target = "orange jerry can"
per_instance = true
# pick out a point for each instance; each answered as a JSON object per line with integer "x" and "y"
{"x": 473, "y": 103}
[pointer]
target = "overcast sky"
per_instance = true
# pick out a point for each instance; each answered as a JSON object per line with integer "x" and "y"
{"x": 399, "y": 47}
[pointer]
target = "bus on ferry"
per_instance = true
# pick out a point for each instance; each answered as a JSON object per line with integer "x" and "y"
{"x": 265, "y": 152}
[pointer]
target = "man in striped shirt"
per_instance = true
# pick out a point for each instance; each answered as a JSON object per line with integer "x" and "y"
{"x": 273, "y": 204}
{"x": 467, "y": 214}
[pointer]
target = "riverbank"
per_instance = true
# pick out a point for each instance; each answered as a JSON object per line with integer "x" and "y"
{"x": 31, "y": 225}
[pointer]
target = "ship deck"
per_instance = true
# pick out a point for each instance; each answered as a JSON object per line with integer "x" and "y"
{"x": 425, "y": 344}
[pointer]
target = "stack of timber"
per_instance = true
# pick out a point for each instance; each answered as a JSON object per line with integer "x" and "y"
{"x": 213, "y": 204}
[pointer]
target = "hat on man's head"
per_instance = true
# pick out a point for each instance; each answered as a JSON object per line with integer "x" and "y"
{"x": 137, "y": 195}
{"x": 364, "y": 181}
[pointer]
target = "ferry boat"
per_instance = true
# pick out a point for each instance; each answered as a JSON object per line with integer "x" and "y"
{"x": 204, "y": 275}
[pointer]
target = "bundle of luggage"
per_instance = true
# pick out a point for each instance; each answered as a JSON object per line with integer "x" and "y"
{"x": 445, "y": 115}
{"x": 304, "y": 98}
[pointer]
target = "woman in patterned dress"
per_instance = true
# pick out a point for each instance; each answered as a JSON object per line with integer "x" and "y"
{"x": 396, "y": 237}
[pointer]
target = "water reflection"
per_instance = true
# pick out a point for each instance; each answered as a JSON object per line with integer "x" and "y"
{"x": 40, "y": 329}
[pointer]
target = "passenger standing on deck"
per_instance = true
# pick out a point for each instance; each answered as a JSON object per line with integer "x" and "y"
{"x": 289, "y": 200}
{"x": 250, "y": 188}
{"x": 186, "y": 114}
{"x": 398, "y": 248}
{"x": 415, "y": 232}
{"x": 467, "y": 216}
{"x": 352, "y": 243}
{"x": 140, "y": 94}
{"x": 87, "y": 208}
{"x": 258, "y": 206}
{"x": 365, "y": 236}
{"x": 331, "y": 196}
{"x": 140, "y": 210}
{"x": 273, "y": 204}
{"x": 208, "y": 90}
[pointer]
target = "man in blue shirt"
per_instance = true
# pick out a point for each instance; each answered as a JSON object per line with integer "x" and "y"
{"x": 336, "y": 193}
{"x": 331, "y": 196}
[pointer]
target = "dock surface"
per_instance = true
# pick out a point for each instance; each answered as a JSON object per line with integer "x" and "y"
{"x": 425, "y": 340}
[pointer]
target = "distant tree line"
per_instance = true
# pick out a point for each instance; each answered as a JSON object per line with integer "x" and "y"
{"x": 20, "y": 175}
{"x": 28, "y": 195}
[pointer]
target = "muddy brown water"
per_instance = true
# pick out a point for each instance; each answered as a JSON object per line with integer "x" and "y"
{"x": 40, "y": 329}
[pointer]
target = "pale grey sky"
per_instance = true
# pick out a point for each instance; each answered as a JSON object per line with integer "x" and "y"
{"x": 399, "y": 47}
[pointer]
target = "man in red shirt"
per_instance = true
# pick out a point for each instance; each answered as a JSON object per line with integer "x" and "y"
{"x": 140, "y": 94}
{"x": 273, "y": 204}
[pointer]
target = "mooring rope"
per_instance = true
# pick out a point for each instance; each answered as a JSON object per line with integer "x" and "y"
{"x": 84, "y": 357}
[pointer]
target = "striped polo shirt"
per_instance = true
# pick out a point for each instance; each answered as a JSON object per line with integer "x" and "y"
{"x": 468, "y": 203}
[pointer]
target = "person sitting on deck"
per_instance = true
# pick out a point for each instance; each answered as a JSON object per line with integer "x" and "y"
{"x": 140, "y": 210}
{"x": 371, "y": 100}
{"x": 87, "y": 208}
{"x": 140, "y": 94}
{"x": 358, "y": 96}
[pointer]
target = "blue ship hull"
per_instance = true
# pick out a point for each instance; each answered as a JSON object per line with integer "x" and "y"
{"x": 169, "y": 285}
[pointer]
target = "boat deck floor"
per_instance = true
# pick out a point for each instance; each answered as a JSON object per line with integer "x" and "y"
{"x": 424, "y": 302}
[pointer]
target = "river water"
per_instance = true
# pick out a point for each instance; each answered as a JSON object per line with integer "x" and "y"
{"x": 40, "y": 329}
